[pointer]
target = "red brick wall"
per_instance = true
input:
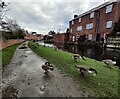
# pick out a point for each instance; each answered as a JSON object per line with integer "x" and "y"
{"x": 5, "y": 43}
{"x": 104, "y": 17}
{"x": 60, "y": 38}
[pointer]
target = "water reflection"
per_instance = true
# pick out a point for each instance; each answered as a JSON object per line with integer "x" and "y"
{"x": 46, "y": 44}
{"x": 92, "y": 52}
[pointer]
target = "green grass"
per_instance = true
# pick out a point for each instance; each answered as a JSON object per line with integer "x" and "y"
{"x": 7, "y": 53}
{"x": 104, "y": 84}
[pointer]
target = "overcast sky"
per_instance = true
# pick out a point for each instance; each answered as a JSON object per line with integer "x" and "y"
{"x": 41, "y": 17}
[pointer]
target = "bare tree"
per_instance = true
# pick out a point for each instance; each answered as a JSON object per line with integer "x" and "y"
{"x": 3, "y": 10}
{"x": 10, "y": 27}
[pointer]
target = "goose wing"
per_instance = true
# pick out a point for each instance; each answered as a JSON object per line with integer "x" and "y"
{"x": 109, "y": 61}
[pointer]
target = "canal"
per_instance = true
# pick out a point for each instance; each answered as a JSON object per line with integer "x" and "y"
{"x": 91, "y": 52}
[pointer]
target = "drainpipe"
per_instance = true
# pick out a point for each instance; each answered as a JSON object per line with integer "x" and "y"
{"x": 97, "y": 24}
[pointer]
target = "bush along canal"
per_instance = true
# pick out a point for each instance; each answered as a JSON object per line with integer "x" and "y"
{"x": 104, "y": 84}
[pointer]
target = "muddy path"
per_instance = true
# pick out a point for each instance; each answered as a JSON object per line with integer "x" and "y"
{"x": 23, "y": 77}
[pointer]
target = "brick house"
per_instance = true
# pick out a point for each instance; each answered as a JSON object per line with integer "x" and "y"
{"x": 33, "y": 37}
{"x": 95, "y": 23}
{"x": 61, "y": 38}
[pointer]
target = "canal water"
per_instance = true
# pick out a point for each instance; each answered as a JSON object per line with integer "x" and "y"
{"x": 91, "y": 52}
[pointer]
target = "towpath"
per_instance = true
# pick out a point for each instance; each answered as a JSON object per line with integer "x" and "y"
{"x": 23, "y": 77}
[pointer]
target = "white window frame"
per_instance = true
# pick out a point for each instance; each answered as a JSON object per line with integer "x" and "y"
{"x": 70, "y": 30}
{"x": 77, "y": 37}
{"x": 92, "y": 15}
{"x": 89, "y": 26}
{"x": 90, "y": 36}
{"x": 109, "y": 8}
{"x": 73, "y": 38}
{"x": 109, "y": 24}
{"x": 79, "y": 19}
{"x": 72, "y": 22}
{"x": 79, "y": 28}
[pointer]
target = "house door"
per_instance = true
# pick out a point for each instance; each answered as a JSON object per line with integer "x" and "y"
{"x": 98, "y": 37}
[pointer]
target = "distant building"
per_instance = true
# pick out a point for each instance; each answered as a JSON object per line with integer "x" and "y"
{"x": 61, "y": 38}
{"x": 40, "y": 36}
{"x": 33, "y": 36}
{"x": 95, "y": 23}
{"x": 33, "y": 33}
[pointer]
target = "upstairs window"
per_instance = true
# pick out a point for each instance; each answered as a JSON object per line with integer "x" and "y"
{"x": 79, "y": 28}
{"x": 79, "y": 19}
{"x": 109, "y": 24}
{"x": 109, "y": 8}
{"x": 92, "y": 15}
{"x": 72, "y": 22}
{"x": 89, "y": 26}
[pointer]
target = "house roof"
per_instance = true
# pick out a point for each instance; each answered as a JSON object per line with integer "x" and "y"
{"x": 96, "y": 8}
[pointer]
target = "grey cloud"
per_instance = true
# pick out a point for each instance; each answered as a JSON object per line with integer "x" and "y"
{"x": 46, "y": 16}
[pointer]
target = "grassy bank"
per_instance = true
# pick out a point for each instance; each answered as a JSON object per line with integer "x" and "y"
{"x": 7, "y": 53}
{"x": 104, "y": 84}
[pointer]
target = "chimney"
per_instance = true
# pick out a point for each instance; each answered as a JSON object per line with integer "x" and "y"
{"x": 75, "y": 16}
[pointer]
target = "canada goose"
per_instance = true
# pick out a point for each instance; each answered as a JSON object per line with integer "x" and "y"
{"x": 84, "y": 70}
{"x": 77, "y": 56}
{"x": 23, "y": 47}
{"x": 37, "y": 44}
{"x": 47, "y": 66}
{"x": 55, "y": 47}
{"x": 109, "y": 62}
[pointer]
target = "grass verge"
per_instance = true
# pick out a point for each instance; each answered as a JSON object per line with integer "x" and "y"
{"x": 104, "y": 84}
{"x": 7, "y": 53}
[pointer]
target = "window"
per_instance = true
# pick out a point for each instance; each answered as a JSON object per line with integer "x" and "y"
{"x": 92, "y": 15}
{"x": 79, "y": 28}
{"x": 104, "y": 37}
{"x": 73, "y": 38}
{"x": 109, "y": 8}
{"x": 72, "y": 22}
{"x": 79, "y": 19}
{"x": 70, "y": 30}
{"x": 77, "y": 37}
{"x": 89, "y": 36}
{"x": 89, "y": 26}
{"x": 109, "y": 24}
